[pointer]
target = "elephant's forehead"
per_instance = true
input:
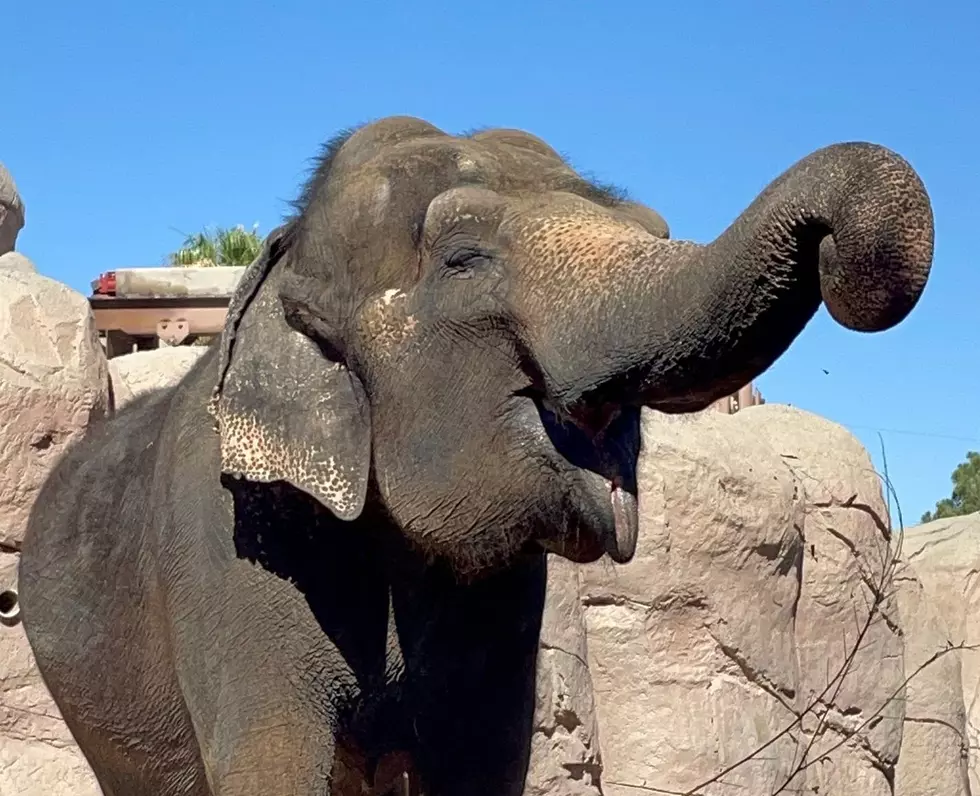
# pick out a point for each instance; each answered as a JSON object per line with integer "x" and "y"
{"x": 396, "y": 188}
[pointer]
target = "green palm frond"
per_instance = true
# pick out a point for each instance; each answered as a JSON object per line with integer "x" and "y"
{"x": 220, "y": 246}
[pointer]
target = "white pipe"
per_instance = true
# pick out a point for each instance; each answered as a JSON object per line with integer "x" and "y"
{"x": 9, "y": 607}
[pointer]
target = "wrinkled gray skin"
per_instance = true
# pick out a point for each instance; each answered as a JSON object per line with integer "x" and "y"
{"x": 328, "y": 539}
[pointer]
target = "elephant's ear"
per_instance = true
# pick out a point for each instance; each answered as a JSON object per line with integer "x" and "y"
{"x": 283, "y": 410}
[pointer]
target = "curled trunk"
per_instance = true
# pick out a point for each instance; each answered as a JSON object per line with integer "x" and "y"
{"x": 850, "y": 225}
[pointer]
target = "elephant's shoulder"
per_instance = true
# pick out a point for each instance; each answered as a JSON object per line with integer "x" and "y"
{"x": 103, "y": 468}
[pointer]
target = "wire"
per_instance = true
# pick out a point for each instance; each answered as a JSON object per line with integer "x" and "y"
{"x": 912, "y": 433}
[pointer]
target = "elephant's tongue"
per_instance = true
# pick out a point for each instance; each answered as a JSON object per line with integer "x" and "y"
{"x": 627, "y": 522}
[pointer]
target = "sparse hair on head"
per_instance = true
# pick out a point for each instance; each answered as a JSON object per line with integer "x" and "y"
{"x": 320, "y": 172}
{"x": 587, "y": 186}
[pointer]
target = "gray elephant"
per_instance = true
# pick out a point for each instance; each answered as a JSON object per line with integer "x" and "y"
{"x": 327, "y": 543}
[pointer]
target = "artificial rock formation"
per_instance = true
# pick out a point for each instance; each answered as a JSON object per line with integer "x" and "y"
{"x": 38, "y": 756}
{"x": 847, "y": 612}
{"x": 11, "y": 211}
{"x": 53, "y": 383}
{"x": 935, "y": 759}
{"x": 15, "y": 261}
{"x": 565, "y": 745}
{"x": 944, "y": 556}
{"x": 772, "y": 631}
{"x": 760, "y": 536}
{"x": 141, "y": 372}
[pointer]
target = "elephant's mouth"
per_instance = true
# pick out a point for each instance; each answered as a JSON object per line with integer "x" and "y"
{"x": 603, "y": 444}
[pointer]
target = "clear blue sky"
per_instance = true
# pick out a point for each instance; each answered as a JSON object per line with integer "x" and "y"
{"x": 125, "y": 122}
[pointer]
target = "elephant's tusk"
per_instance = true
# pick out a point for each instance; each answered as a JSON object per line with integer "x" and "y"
{"x": 395, "y": 776}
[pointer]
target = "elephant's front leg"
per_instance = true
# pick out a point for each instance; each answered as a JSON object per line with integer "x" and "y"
{"x": 278, "y": 642}
{"x": 275, "y": 728}
{"x": 273, "y": 752}
{"x": 470, "y": 656}
{"x": 268, "y": 687}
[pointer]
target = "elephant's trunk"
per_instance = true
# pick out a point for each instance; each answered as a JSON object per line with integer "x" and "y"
{"x": 850, "y": 224}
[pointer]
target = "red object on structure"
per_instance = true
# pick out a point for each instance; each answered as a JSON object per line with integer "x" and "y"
{"x": 106, "y": 284}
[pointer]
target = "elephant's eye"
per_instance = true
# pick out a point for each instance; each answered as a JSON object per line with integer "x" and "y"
{"x": 462, "y": 262}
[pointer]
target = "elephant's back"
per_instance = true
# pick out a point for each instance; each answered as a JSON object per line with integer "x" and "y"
{"x": 82, "y": 548}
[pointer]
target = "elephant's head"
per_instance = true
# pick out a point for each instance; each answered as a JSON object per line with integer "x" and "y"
{"x": 466, "y": 329}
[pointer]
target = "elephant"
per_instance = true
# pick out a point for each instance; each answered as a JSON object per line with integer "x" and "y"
{"x": 328, "y": 543}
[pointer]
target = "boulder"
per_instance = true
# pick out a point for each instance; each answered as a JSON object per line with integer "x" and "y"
{"x": 53, "y": 382}
{"x": 11, "y": 211}
{"x": 945, "y": 557}
{"x": 934, "y": 758}
{"x": 693, "y": 668}
{"x": 565, "y": 743}
{"x": 15, "y": 261}
{"x": 761, "y": 536}
{"x": 144, "y": 371}
{"x": 847, "y": 610}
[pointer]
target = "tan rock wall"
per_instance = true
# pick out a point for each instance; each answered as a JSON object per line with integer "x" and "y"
{"x": 934, "y": 758}
{"x": 760, "y": 536}
{"x": 847, "y": 566}
{"x": 141, "y": 372}
{"x": 53, "y": 383}
{"x": 691, "y": 644}
{"x": 945, "y": 557}
{"x": 565, "y": 746}
{"x": 11, "y": 211}
{"x": 38, "y": 756}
